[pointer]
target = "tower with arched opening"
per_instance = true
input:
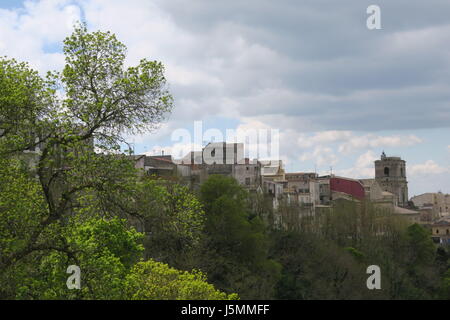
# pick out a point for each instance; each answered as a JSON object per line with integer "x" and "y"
{"x": 390, "y": 173}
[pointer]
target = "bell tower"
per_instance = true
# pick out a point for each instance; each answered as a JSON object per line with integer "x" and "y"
{"x": 390, "y": 173}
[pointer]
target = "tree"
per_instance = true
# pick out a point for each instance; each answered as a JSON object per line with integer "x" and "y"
{"x": 152, "y": 280}
{"x": 24, "y": 102}
{"x": 422, "y": 248}
{"x": 314, "y": 268}
{"x": 236, "y": 245}
{"x": 173, "y": 220}
{"x": 44, "y": 219}
{"x": 104, "y": 250}
{"x": 101, "y": 102}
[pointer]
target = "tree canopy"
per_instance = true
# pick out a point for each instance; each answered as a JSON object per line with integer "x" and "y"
{"x": 67, "y": 195}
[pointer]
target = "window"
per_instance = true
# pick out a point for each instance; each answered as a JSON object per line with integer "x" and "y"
{"x": 247, "y": 181}
{"x": 386, "y": 171}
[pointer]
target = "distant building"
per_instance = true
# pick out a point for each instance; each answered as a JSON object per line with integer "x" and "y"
{"x": 411, "y": 215}
{"x": 346, "y": 188}
{"x": 435, "y": 204}
{"x": 385, "y": 199}
{"x": 300, "y": 181}
{"x": 440, "y": 232}
{"x": 223, "y": 153}
{"x": 162, "y": 165}
{"x": 303, "y": 188}
{"x": 375, "y": 193}
{"x": 273, "y": 180}
{"x": 324, "y": 190}
{"x": 220, "y": 158}
{"x": 390, "y": 173}
{"x": 272, "y": 170}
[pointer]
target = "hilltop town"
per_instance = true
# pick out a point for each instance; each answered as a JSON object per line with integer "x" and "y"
{"x": 308, "y": 190}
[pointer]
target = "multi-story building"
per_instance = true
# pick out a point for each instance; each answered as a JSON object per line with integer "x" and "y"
{"x": 302, "y": 187}
{"x": 273, "y": 180}
{"x": 223, "y": 159}
{"x": 324, "y": 190}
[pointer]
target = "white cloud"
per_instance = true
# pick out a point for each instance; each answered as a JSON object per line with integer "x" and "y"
{"x": 27, "y": 33}
{"x": 363, "y": 168}
{"x": 429, "y": 167}
{"x": 305, "y": 141}
{"x": 349, "y": 141}
{"x": 322, "y": 156}
{"x": 374, "y": 141}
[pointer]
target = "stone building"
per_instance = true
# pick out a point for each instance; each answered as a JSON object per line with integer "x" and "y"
{"x": 436, "y": 204}
{"x": 161, "y": 166}
{"x": 390, "y": 173}
{"x": 375, "y": 193}
{"x": 272, "y": 170}
{"x": 440, "y": 232}
{"x": 324, "y": 190}
{"x": 224, "y": 159}
{"x": 302, "y": 188}
{"x": 223, "y": 153}
{"x": 299, "y": 181}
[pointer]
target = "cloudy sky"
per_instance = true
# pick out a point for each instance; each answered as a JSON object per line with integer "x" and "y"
{"x": 338, "y": 92}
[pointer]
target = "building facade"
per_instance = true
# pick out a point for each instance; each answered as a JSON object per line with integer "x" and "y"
{"x": 390, "y": 173}
{"x": 220, "y": 158}
{"x": 437, "y": 204}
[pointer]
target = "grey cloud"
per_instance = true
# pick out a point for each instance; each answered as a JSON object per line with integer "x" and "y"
{"x": 315, "y": 62}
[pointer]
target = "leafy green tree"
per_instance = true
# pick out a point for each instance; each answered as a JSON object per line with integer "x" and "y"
{"x": 101, "y": 102}
{"x": 74, "y": 201}
{"x": 314, "y": 268}
{"x": 152, "y": 280}
{"x": 24, "y": 101}
{"x": 236, "y": 245}
{"x": 105, "y": 250}
{"x": 173, "y": 220}
{"x": 422, "y": 248}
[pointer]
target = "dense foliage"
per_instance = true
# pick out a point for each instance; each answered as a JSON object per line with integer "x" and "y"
{"x": 77, "y": 201}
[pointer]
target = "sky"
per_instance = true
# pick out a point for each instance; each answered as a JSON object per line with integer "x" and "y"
{"x": 338, "y": 93}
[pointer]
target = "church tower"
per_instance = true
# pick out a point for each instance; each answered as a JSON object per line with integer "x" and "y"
{"x": 390, "y": 173}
